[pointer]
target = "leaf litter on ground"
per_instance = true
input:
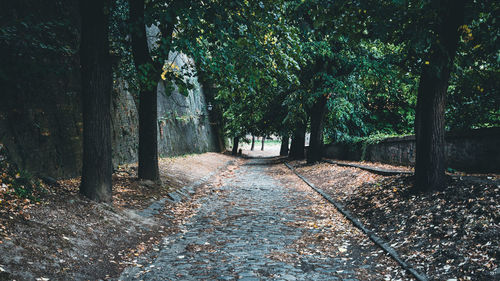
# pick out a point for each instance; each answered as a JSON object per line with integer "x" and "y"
{"x": 448, "y": 234}
{"x": 61, "y": 235}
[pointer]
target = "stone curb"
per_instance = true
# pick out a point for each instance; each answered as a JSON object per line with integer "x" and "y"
{"x": 383, "y": 172}
{"x": 375, "y": 238}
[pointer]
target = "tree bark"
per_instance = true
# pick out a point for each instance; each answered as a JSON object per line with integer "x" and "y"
{"x": 429, "y": 120}
{"x": 148, "y": 134}
{"x": 253, "y": 143}
{"x": 148, "y": 100}
{"x": 317, "y": 122}
{"x": 96, "y": 71}
{"x": 215, "y": 115}
{"x": 262, "y": 145}
{"x": 298, "y": 142}
{"x": 236, "y": 141}
{"x": 284, "y": 145}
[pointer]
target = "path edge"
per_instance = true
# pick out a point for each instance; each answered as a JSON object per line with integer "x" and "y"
{"x": 375, "y": 238}
{"x": 379, "y": 171}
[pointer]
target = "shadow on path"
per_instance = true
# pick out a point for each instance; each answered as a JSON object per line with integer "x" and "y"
{"x": 259, "y": 222}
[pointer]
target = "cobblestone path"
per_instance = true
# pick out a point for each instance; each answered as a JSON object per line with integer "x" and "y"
{"x": 261, "y": 223}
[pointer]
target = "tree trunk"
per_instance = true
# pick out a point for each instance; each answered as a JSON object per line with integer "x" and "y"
{"x": 253, "y": 143}
{"x": 96, "y": 71}
{"x": 429, "y": 119}
{"x": 236, "y": 141}
{"x": 317, "y": 120}
{"x": 148, "y": 134}
{"x": 148, "y": 107}
{"x": 298, "y": 142}
{"x": 214, "y": 115}
{"x": 262, "y": 145}
{"x": 284, "y": 145}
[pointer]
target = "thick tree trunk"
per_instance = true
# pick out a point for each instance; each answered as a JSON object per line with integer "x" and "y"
{"x": 298, "y": 142}
{"x": 317, "y": 120}
{"x": 236, "y": 141}
{"x": 96, "y": 97}
{"x": 262, "y": 145}
{"x": 429, "y": 120}
{"x": 253, "y": 143}
{"x": 284, "y": 145}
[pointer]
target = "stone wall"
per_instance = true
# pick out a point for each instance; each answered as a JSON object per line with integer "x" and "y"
{"x": 473, "y": 151}
{"x": 42, "y": 130}
{"x": 183, "y": 124}
{"x": 40, "y": 103}
{"x": 124, "y": 125}
{"x": 43, "y": 133}
{"x": 40, "y": 115}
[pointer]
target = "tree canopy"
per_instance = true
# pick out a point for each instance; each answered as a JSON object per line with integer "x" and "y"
{"x": 341, "y": 70}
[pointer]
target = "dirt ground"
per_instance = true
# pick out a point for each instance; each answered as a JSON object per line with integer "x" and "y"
{"x": 63, "y": 236}
{"x": 452, "y": 234}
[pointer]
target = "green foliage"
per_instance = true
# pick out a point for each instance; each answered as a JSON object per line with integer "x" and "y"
{"x": 397, "y": 44}
{"x": 37, "y": 39}
{"x": 21, "y": 183}
{"x": 120, "y": 48}
{"x": 24, "y": 184}
{"x": 246, "y": 51}
{"x": 474, "y": 100}
{"x": 267, "y": 62}
{"x": 373, "y": 139}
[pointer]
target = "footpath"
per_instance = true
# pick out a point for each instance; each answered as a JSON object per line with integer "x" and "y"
{"x": 260, "y": 222}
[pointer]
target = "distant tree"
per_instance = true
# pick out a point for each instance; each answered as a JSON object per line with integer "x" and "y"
{"x": 318, "y": 112}
{"x": 298, "y": 141}
{"x": 284, "y": 145}
{"x": 96, "y": 96}
{"x": 328, "y": 56}
{"x": 247, "y": 50}
{"x": 296, "y": 120}
{"x": 236, "y": 141}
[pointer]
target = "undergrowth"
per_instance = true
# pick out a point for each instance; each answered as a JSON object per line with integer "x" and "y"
{"x": 14, "y": 181}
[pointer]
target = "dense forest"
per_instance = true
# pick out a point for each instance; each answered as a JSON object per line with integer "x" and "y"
{"x": 342, "y": 70}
